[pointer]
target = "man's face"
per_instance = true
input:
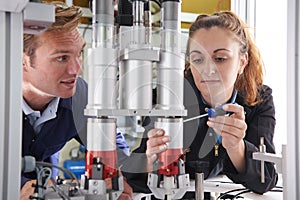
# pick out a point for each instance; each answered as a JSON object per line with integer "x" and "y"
{"x": 56, "y": 65}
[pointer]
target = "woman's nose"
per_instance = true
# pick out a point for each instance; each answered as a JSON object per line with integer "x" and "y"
{"x": 210, "y": 67}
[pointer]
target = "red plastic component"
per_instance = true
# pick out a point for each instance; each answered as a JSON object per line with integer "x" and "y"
{"x": 108, "y": 160}
{"x": 169, "y": 162}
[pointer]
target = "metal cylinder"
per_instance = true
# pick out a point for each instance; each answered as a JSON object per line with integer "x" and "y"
{"x": 103, "y": 36}
{"x": 199, "y": 186}
{"x": 173, "y": 127}
{"x": 135, "y": 84}
{"x": 170, "y": 33}
{"x": 170, "y": 82}
{"x": 171, "y": 66}
{"x": 101, "y": 148}
{"x": 102, "y": 58}
{"x": 101, "y": 134}
{"x": 139, "y": 30}
{"x": 138, "y": 12}
{"x": 102, "y": 90}
{"x": 169, "y": 159}
{"x": 103, "y": 23}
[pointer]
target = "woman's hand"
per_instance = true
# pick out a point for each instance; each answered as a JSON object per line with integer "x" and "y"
{"x": 155, "y": 144}
{"x": 233, "y": 130}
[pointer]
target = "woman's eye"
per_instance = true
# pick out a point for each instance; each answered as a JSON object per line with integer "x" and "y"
{"x": 197, "y": 60}
{"x": 219, "y": 59}
{"x": 62, "y": 58}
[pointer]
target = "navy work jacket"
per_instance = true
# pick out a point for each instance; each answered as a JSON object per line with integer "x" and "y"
{"x": 69, "y": 123}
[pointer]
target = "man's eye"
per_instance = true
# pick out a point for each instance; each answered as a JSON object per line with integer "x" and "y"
{"x": 80, "y": 54}
{"x": 62, "y": 58}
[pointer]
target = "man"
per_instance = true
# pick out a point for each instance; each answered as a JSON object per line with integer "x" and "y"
{"x": 54, "y": 96}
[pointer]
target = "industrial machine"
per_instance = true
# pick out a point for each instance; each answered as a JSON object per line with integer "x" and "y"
{"x": 120, "y": 84}
{"x": 131, "y": 59}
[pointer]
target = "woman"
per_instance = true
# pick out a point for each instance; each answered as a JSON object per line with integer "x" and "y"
{"x": 222, "y": 58}
{"x": 225, "y": 70}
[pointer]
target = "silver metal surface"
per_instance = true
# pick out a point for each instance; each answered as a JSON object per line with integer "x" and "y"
{"x": 199, "y": 186}
{"x": 134, "y": 112}
{"x": 170, "y": 81}
{"x": 11, "y": 45}
{"x": 138, "y": 12}
{"x": 197, "y": 117}
{"x": 135, "y": 79}
{"x": 102, "y": 90}
{"x": 173, "y": 127}
{"x": 37, "y": 22}
{"x": 101, "y": 134}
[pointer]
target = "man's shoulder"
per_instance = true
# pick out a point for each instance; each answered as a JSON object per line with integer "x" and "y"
{"x": 81, "y": 86}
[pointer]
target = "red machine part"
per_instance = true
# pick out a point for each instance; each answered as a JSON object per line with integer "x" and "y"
{"x": 169, "y": 162}
{"x": 108, "y": 161}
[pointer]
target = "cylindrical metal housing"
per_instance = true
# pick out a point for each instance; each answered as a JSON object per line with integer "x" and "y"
{"x": 102, "y": 58}
{"x": 199, "y": 186}
{"x": 169, "y": 159}
{"x": 103, "y": 23}
{"x": 135, "y": 84}
{"x": 103, "y": 35}
{"x": 170, "y": 82}
{"x": 101, "y": 148}
{"x": 170, "y": 23}
{"x": 173, "y": 127}
{"x": 101, "y": 134}
{"x": 102, "y": 91}
{"x": 170, "y": 68}
{"x": 138, "y": 12}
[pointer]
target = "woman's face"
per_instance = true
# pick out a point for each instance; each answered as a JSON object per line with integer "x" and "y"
{"x": 215, "y": 63}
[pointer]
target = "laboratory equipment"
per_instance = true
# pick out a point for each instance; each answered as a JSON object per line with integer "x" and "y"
{"x": 278, "y": 160}
{"x": 130, "y": 56}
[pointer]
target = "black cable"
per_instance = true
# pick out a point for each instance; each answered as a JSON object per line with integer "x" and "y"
{"x": 230, "y": 191}
{"x": 238, "y": 194}
{"x": 276, "y": 190}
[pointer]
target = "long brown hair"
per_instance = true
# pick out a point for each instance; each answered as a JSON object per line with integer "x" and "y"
{"x": 247, "y": 84}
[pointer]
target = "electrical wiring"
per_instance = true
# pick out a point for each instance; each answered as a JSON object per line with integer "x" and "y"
{"x": 238, "y": 194}
{"x": 43, "y": 176}
{"x": 230, "y": 191}
{"x": 42, "y": 168}
{"x": 73, "y": 177}
{"x": 242, "y": 191}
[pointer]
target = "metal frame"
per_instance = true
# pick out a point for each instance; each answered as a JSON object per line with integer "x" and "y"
{"x": 291, "y": 152}
{"x": 11, "y": 45}
{"x": 292, "y": 186}
{"x": 13, "y": 15}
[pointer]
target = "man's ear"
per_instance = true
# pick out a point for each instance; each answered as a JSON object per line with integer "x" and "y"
{"x": 25, "y": 62}
{"x": 243, "y": 63}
